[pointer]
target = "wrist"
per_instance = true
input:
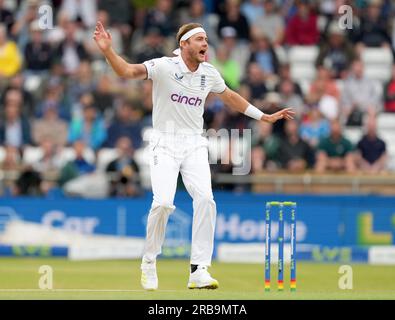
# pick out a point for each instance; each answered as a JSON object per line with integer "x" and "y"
{"x": 108, "y": 51}
{"x": 253, "y": 112}
{"x": 266, "y": 117}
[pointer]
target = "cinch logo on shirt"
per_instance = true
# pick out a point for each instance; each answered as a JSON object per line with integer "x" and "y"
{"x": 192, "y": 101}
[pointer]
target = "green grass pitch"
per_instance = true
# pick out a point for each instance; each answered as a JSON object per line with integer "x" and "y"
{"x": 119, "y": 279}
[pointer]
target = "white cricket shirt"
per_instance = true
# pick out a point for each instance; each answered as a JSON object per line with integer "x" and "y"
{"x": 179, "y": 95}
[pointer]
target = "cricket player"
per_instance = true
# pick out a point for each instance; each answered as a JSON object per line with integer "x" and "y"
{"x": 180, "y": 87}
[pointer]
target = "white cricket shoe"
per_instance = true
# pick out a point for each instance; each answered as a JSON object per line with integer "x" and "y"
{"x": 149, "y": 279}
{"x": 201, "y": 279}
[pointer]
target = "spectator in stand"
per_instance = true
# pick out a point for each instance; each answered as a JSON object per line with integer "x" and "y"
{"x": 359, "y": 96}
{"x": 10, "y": 57}
{"x": 17, "y": 82}
{"x": 49, "y": 165}
{"x": 324, "y": 84}
{"x": 325, "y": 93}
{"x": 314, "y": 127}
{"x": 104, "y": 96}
{"x": 86, "y": 99}
{"x": 12, "y": 163}
{"x": 162, "y": 17}
{"x": 197, "y": 13}
{"x": 56, "y": 35}
{"x": 271, "y": 23}
{"x": 50, "y": 127}
{"x": 14, "y": 128}
{"x": 289, "y": 97}
{"x": 116, "y": 36}
{"x": 235, "y": 120}
{"x": 214, "y": 113}
{"x": 335, "y": 153}
{"x": 54, "y": 95}
{"x": 336, "y": 16}
{"x": 28, "y": 183}
{"x": 77, "y": 167}
{"x": 81, "y": 82}
{"x": 337, "y": 53}
{"x": 327, "y": 8}
{"x": 252, "y": 10}
{"x": 294, "y": 154}
{"x": 26, "y": 14}
{"x": 126, "y": 124}
{"x": 374, "y": 28}
{"x": 121, "y": 17}
{"x": 228, "y": 68}
{"x": 70, "y": 53}
{"x": 153, "y": 46}
{"x": 12, "y": 159}
{"x": 389, "y": 93}
{"x": 124, "y": 171}
{"x": 302, "y": 28}
{"x": 89, "y": 129}
{"x": 265, "y": 148}
{"x": 285, "y": 75}
{"x": 38, "y": 53}
{"x": 255, "y": 81}
{"x": 85, "y": 10}
{"x": 371, "y": 150}
{"x": 6, "y": 17}
{"x": 238, "y": 50}
{"x": 234, "y": 18}
{"x": 263, "y": 53}
{"x": 225, "y": 165}
{"x": 145, "y": 102}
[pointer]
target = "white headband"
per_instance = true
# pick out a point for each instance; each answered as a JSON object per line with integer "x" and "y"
{"x": 186, "y": 36}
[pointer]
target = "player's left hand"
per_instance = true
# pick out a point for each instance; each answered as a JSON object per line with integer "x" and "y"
{"x": 287, "y": 114}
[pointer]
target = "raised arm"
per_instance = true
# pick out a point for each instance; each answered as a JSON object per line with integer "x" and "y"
{"x": 238, "y": 103}
{"x": 120, "y": 66}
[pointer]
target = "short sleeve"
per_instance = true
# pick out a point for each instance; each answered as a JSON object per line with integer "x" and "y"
{"x": 219, "y": 85}
{"x": 153, "y": 66}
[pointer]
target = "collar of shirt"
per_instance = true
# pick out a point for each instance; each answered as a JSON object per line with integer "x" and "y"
{"x": 184, "y": 68}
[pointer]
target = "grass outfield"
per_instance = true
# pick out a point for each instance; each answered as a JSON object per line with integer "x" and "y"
{"x": 120, "y": 280}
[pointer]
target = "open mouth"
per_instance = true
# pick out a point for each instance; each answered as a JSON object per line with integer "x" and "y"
{"x": 202, "y": 52}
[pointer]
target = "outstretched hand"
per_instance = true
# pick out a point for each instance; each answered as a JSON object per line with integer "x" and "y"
{"x": 287, "y": 114}
{"x": 102, "y": 37}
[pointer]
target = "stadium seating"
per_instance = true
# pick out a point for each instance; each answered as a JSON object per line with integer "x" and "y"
{"x": 386, "y": 130}
{"x": 354, "y": 134}
{"x": 386, "y": 121}
{"x": 302, "y": 62}
{"x": 68, "y": 154}
{"x": 104, "y": 157}
{"x": 389, "y": 137}
{"x": 378, "y": 63}
{"x": 32, "y": 155}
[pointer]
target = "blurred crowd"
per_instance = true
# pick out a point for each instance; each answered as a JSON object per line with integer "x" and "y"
{"x": 57, "y": 92}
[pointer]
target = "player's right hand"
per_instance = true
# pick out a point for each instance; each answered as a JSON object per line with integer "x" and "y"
{"x": 102, "y": 37}
{"x": 287, "y": 114}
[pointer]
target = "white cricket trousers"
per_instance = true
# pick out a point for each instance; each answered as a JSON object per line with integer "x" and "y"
{"x": 169, "y": 155}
